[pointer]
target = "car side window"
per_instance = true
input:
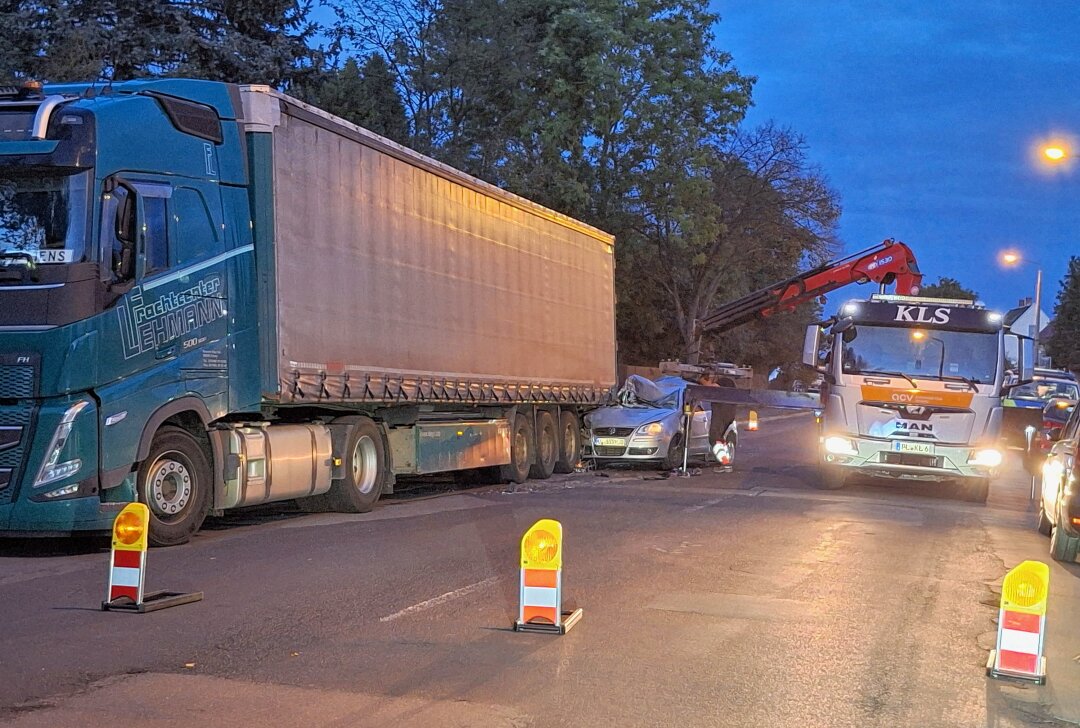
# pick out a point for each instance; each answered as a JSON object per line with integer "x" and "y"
{"x": 1072, "y": 425}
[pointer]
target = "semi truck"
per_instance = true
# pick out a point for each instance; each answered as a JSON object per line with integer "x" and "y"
{"x": 912, "y": 389}
{"x": 214, "y": 296}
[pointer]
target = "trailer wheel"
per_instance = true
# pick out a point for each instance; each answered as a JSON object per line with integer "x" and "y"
{"x": 521, "y": 442}
{"x": 365, "y": 470}
{"x": 174, "y": 483}
{"x": 547, "y": 447}
{"x": 569, "y": 443}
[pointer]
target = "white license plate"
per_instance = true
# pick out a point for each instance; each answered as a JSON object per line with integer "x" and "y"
{"x": 611, "y": 441}
{"x": 919, "y": 448}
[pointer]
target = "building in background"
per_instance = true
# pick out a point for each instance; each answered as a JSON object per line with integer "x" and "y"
{"x": 1022, "y": 321}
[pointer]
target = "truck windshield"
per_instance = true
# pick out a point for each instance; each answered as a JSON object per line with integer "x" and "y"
{"x": 921, "y": 353}
{"x": 44, "y": 215}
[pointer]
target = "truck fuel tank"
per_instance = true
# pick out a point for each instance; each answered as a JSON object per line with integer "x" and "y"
{"x": 265, "y": 463}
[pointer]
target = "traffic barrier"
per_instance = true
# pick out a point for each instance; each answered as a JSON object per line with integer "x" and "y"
{"x": 541, "y": 581}
{"x": 1022, "y": 625}
{"x": 752, "y": 421}
{"x": 127, "y": 567}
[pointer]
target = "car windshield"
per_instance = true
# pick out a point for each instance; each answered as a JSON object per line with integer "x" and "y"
{"x": 1045, "y": 390}
{"x": 921, "y": 353}
{"x": 44, "y": 216}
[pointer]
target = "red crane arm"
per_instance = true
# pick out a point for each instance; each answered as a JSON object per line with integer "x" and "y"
{"x": 887, "y": 263}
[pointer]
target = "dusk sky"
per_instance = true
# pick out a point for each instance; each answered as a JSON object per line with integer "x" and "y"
{"x": 925, "y": 117}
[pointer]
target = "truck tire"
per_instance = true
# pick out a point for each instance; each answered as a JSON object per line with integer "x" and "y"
{"x": 521, "y": 443}
{"x": 174, "y": 482}
{"x": 569, "y": 443}
{"x": 674, "y": 458}
{"x": 830, "y": 477}
{"x": 365, "y": 470}
{"x": 547, "y": 447}
{"x": 976, "y": 490}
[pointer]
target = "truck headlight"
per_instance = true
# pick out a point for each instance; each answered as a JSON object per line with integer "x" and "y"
{"x": 52, "y": 469}
{"x": 837, "y": 445}
{"x": 650, "y": 430}
{"x": 987, "y": 457}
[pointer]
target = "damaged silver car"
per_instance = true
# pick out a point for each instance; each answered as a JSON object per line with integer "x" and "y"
{"x": 647, "y": 425}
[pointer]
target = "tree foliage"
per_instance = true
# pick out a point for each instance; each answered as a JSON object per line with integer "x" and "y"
{"x": 254, "y": 41}
{"x": 947, "y": 287}
{"x": 1064, "y": 343}
{"x": 367, "y": 97}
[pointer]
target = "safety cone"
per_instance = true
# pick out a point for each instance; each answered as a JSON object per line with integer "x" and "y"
{"x": 541, "y": 581}
{"x": 1022, "y": 625}
{"x": 127, "y": 569}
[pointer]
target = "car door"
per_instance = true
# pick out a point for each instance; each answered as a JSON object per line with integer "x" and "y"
{"x": 699, "y": 429}
{"x": 1061, "y": 462}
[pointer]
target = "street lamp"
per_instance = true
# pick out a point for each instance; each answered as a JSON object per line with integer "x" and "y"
{"x": 1012, "y": 258}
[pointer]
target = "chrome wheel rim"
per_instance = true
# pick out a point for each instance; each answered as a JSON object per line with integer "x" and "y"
{"x": 365, "y": 464}
{"x": 171, "y": 485}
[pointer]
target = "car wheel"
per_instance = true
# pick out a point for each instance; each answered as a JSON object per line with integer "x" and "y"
{"x": 1046, "y": 526}
{"x": 674, "y": 457}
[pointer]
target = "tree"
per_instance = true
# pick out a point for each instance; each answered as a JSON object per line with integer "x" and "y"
{"x": 1064, "y": 343}
{"x": 264, "y": 41}
{"x": 947, "y": 287}
{"x": 366, "y": 97}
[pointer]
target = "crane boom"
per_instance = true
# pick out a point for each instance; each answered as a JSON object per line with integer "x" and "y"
{"x": 887, "y": 263}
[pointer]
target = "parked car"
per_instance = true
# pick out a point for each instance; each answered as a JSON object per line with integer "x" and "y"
{"x": 1054, "y": 416}
{"x": 1025, "y": 403}
{"x": 647, "y": 426}
{"x": 1059, "y": 505}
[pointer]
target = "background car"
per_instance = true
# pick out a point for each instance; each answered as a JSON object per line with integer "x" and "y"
{"x": 647, "y": 426}
{"x": 1025, "y": 403}
{"x": 1059, "y": 504}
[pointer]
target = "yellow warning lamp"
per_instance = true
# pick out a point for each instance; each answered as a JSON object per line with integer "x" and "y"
{"x": 130, "y": 528}
{"x": 752, "y": 421}
{"x": 1026, "y": 587}
{"x": 541, "y": 546}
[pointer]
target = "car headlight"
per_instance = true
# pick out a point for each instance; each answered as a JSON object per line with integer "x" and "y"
{"x": 650, "y": 430}
{"x": 987, "y": 457}
{"x": 52, "y": 469}
{"x": 837, "y": 445}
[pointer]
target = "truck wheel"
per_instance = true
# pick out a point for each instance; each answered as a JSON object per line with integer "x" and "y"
{"x": 174, "y": 483}
{"x": 521, "y": 442}
{"x": 830, "y": 477}
{"x": 674, "y": 457}
{"x": 547, "y": 447}
{"x": 365, "y": 470}
{"x": 976, "y": 490}
{"x": 569, "y": 443}
{"x": 1063, "y": 547}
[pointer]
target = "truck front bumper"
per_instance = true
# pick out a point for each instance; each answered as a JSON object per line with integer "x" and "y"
{"x": 30, "y": 518}
{"x": 878, "y": 458}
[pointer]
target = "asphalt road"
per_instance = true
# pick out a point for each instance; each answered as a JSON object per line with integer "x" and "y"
{"x": 722, "y": 599}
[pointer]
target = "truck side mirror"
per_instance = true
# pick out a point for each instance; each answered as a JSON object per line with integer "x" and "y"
{"x": 124, "y": 231}
{"x": 1025, "y": 359}
{"x": 811, "y": 346}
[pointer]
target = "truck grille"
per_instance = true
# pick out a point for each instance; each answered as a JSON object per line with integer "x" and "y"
{"x": 905, "y": 458}
{"x": 16, "y": 382}
{"x": 612, "y": 431}
{"x": 11, "y": 457}
{"x": 609, "y": 452}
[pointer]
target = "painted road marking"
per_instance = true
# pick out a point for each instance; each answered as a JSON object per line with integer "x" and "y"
{"x": 441, "y": 599}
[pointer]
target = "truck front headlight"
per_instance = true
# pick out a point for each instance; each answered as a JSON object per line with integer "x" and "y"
{"x": 52, "y": 469}
{"x": 987, "y": 457}
{"x": 837, "y": 445}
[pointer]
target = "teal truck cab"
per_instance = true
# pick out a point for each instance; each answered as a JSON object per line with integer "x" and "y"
{"x": 192, "y": 312}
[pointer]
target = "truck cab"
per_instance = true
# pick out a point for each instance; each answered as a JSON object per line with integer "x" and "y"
{"x": 124, "y": 226}
{"x": 911, "y": 390}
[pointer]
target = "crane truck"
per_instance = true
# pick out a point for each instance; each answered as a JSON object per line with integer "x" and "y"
{"x": 214, "y": 296}
{"x": 911, "y": 386}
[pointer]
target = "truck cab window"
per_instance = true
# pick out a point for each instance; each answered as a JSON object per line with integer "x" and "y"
{"x": 155, "y": 235}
